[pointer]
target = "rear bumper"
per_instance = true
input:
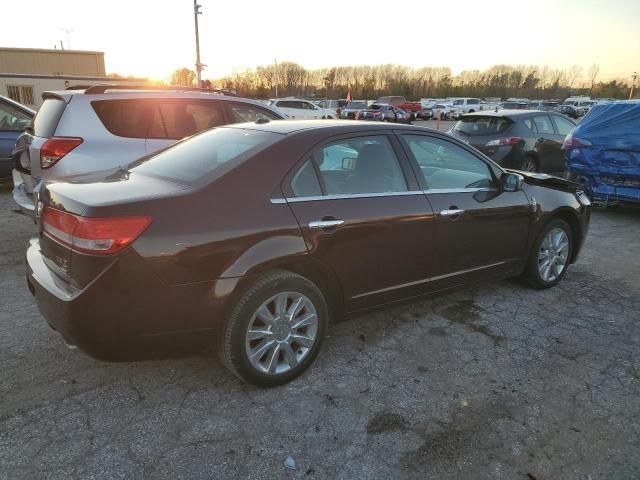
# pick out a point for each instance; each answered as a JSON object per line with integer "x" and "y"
{"x": 127, "y": 313}
{"x": 21, "y": 196}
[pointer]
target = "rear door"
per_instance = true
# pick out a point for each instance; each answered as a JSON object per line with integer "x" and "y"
{"x": 481, "y": 231}
{"x": 361, "y": 212}
{"x": 548, "y": 144}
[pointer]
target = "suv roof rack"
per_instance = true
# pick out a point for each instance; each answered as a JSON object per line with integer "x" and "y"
{"x": 103, "y": 87}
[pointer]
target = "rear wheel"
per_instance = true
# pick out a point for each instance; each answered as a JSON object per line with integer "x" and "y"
{"x": 529, "y": 164}
{"x": 550, "y": 255}
{"x": 275, "y": 330}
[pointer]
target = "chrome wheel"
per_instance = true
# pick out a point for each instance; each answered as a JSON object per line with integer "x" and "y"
{"x": 553, "y": 255}
{"x": 281, "y": 333}
{"x": 529, "y": 165}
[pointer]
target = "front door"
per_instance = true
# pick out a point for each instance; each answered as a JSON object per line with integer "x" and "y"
{"x": 362, "y": 213}
{"x": 481, "y": 231}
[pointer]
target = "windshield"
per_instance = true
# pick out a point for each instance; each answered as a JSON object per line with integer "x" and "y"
{"x": 218, "y": 150}
{"x": 477, "y": 125}
{"x": 356, "y": 105}
{"x": 375, "y": 106}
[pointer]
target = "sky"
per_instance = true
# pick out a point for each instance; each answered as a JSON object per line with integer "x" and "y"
{"x": 152, "y": 38}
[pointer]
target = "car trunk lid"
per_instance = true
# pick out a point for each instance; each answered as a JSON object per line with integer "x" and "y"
{"x": 83, "y": 228}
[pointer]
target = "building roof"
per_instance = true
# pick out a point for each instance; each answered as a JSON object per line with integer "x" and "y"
{"x": 50, "y": 50}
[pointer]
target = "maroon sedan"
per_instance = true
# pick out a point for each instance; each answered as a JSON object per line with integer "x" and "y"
{"x": 253, "y": 237}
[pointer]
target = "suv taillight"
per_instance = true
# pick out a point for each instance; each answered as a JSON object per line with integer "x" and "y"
{"x": 99, "y": 236}
{"x": 574, "y": 142}
{"x": 55, "y": 148}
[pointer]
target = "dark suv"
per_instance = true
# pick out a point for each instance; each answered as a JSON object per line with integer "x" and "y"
{"x": 524, "y": 140}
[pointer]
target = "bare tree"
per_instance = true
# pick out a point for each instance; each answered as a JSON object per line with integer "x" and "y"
{"x": 574, "y": 74}
{"x": 593, "y": 72}
{"x": 183, "y": 77}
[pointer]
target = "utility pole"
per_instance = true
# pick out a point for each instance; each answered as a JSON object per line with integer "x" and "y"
{"x": 276, "y": 63}
{"x": 67, "y": 31}
{"x": 633, "y": 84}
{"x": 196, "y": 12}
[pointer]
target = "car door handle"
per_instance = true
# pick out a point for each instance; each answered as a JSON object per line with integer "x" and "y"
{"x": 541, "y": 140}
{"x": 325, "y": 223}
{"x": 451, "y": 212}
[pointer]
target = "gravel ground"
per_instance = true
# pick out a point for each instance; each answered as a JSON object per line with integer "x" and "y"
{"x": 495, "y": 381}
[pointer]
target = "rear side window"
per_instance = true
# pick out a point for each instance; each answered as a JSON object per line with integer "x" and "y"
{"x": 124, "y": 118}
{"x": 476, "y": 125}
{"x": 563, "y": 125}
{"x": 543, "y": 124}
{"x": 176, "y": 120}
{"x": 46, "y": 121}
{"x": 217, "y": 150}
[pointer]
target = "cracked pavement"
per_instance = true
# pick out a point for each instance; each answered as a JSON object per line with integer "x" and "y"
{"x": 494, "y": 381}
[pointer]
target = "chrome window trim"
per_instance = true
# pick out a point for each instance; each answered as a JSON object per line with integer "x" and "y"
{"x": 344, "y": 196}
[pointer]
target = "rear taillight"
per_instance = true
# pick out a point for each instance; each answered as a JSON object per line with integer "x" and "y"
{"x": 101, "y": 236}
{"x": 574, "y": 142}
{"x": 504, "y": 141}
{"x": 55, "y": 148}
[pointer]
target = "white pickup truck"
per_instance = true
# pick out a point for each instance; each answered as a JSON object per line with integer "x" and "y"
{"x": 460, "y": 106}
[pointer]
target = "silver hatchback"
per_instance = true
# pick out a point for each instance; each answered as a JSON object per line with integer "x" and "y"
{"x": 104, "y": 128}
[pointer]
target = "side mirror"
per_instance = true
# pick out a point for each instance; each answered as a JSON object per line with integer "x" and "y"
{"x": 511, "y": 182}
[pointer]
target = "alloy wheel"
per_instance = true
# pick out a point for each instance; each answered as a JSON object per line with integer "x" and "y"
{"x": 528, "y": 165}
{"x": 553, "y": 255}
{"x": 281, "y": 333}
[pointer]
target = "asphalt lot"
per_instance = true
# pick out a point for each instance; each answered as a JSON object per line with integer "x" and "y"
{"x": 495, "y": 381}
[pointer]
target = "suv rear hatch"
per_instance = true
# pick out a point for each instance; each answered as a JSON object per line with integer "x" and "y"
{"x": 479, "y": 130}
{"x": 37, "y": 147}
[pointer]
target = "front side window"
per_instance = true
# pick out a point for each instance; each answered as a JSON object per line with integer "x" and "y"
{"x": 12, "y": 119}
{"x": 241, "y": 113}
{"x": 358, "y": 165}
{"x": 445, "y": 165}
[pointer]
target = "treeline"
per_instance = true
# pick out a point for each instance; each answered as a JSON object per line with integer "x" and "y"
{"x": 372, "y": 81}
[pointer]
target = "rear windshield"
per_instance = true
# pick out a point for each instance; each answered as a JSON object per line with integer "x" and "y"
{"x": 217, "y": 150}
{"x": 477, "y": 125}
{"x": 375, "y": 107}
{"x": 46, "y": 121}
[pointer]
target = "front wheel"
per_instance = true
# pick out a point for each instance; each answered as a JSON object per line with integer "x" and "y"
{"x": 275, "y": 331}
{"x": 549, "y": 258}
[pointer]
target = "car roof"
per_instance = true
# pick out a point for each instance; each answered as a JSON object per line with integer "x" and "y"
{"x": 133, "y": 94}
{"x": 287, "y": 127}
{"x": 504, "y": 113}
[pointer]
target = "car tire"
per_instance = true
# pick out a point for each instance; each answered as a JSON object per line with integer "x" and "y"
{"x": 536, "y": 272}
{"x": 237, "y": 345}
{"x": 529, "y": 164}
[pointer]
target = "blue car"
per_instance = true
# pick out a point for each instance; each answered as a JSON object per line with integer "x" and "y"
{"x": 603, "y": 152}
{"x": 14, "y": 118}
